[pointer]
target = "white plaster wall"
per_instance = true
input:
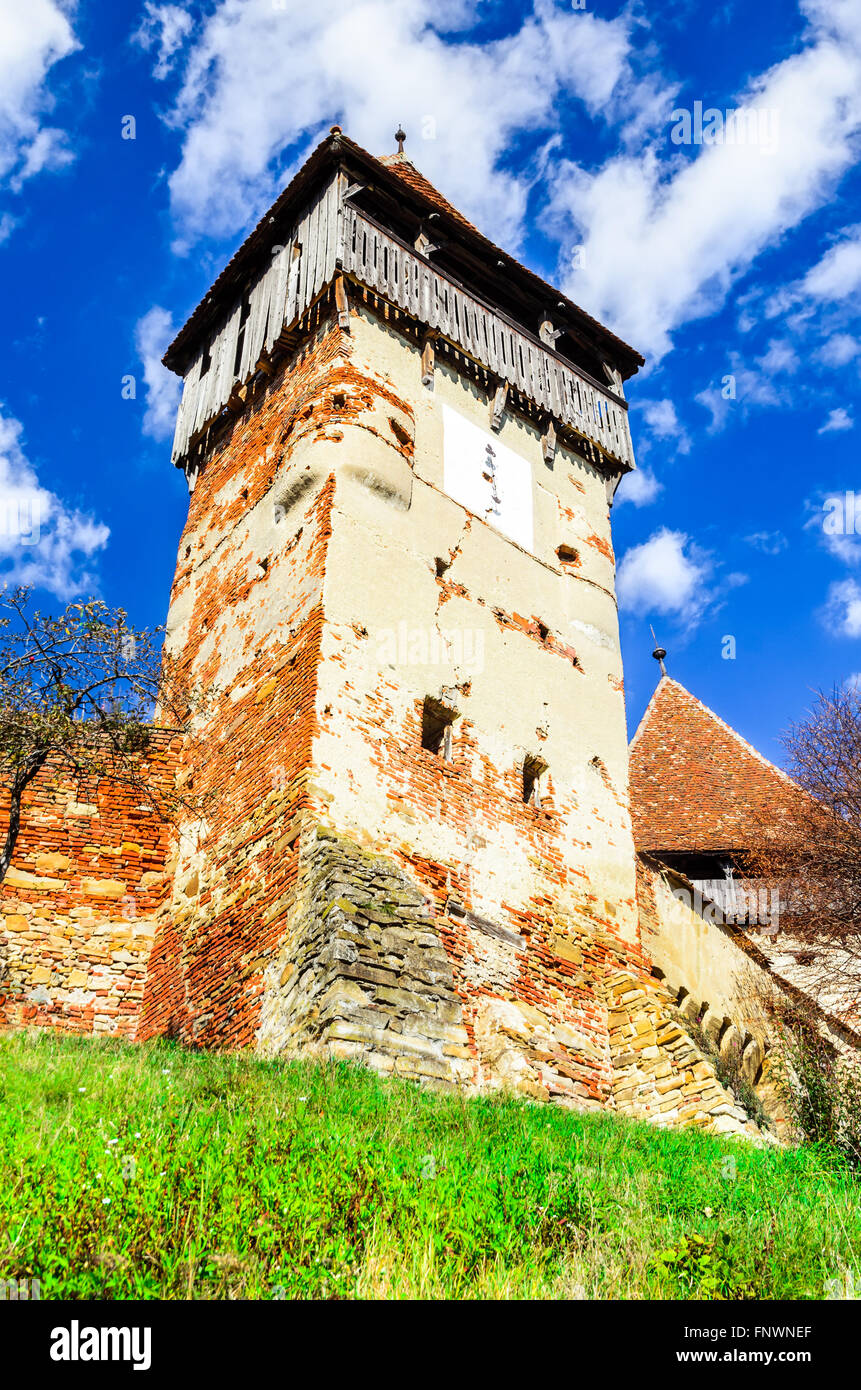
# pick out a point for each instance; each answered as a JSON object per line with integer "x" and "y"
{"x": 380, "y": 573}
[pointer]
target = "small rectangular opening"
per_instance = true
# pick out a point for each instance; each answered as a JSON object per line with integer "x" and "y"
{"x": 534, "y": 769}
{"x": 244, "y": 312}
{"x": 437, "y": 721}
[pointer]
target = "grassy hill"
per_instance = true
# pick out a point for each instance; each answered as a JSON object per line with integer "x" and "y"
{"x": 150, "y": 1172}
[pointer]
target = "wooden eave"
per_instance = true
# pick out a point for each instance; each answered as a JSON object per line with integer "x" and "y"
{"x": 393, "y": 191}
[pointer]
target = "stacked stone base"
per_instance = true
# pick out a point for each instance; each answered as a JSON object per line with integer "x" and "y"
{"x": 367, "y": 970}
{"x": 362, "y": 972}
{"x": 660, "y": 1074}
{"x": 522, "y": 1048}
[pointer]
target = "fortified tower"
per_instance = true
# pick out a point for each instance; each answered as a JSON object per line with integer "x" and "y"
{"x": 397, "y": 583}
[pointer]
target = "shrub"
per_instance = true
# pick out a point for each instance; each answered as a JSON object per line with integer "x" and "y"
{"x": 822, "y": 1094}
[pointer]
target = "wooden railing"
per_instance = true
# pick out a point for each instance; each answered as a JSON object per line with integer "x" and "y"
{"x": 277, "y": 297}
{"x": 407, "y": 279}
{"x": 331, "y": 234}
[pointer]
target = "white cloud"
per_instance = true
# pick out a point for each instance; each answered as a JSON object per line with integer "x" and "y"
{"x": 839, "y": 349}
{"x": 664, "y": 423}
{"x": 837, "y": 420}
{"x": 780, "y": 357}
{"x": 740, "y": 388}
{"x": 261, "y": 82}
{"x": 847, "y": 548}
{"x": 769, "y": 542}
{"x": 164, "y": 28}
{"x": 152, "y": 336}
{"x": 685, "y": 237}
{"x": 718, "y": 405}
{"x": 834, "y": 278}
{"x": 42, "y": 541}
{"x": 640, "y": 487}
{"x": 667, "y": 574}
{"x": 34, "y": 35}
{"x": 838, "y": 274}
{"x": 842, "y": 612}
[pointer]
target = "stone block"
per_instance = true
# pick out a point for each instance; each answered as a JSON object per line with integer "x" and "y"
{"x": 103, "y": 887}
{"x": 52, "y": 864}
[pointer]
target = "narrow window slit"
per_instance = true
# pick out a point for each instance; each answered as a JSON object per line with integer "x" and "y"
{"x": 534, "y": 769}
{"x": 437, "y": 722}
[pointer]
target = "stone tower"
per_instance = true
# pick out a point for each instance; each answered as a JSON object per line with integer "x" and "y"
{"x": 397, "y": 583}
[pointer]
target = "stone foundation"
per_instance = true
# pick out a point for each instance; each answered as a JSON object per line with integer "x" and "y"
{"x": 362, "y": 971}
{"x": 659, "y": 1073}
{"x": 369, "y": 970}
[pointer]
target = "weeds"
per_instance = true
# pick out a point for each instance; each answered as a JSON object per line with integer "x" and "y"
{"x": 151, "y": 1172}
{"x": 822, "y": 1094}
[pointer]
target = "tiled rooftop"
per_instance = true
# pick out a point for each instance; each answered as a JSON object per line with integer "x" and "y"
{"x": 696, "y": 786}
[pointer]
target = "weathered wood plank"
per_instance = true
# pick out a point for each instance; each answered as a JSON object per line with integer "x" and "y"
{"x": 294, "y": 277}
{"x": 226, "y": 374}
{"x": 278, "y": 300}
{"x": 307, "y": 227}
{"x": 342, "y": 304}
{"x": 332, "y": 230}
{"x": 187, "y": 407}
{"x": 206, "y": 399}
{"x": 497, "y": 406}
{"x": 255, "y": 325}
{"x": 327, "y": 266}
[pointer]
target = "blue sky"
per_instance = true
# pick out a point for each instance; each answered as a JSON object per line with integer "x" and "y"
{"x": 570, "y": 135}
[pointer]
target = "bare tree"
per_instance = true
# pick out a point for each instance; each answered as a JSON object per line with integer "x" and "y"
{"x": 812, "y": 847}
{"x": 78, "y": 696}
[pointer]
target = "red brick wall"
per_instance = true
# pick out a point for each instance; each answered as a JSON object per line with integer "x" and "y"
{"x": 252, "y": 637}
{"x": 79, "y": 900}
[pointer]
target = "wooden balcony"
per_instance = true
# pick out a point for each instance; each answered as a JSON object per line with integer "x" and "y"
{"x": 332, "y": 236}
{"x": 404, "y": 277}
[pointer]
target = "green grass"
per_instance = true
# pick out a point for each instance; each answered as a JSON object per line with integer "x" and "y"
{"x": 151, "y": 1172}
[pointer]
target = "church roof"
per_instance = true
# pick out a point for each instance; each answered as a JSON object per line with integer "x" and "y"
{"x": 394, "y": 175}
{"x": 407, "y": 171}
{"x": 696, "y": 786}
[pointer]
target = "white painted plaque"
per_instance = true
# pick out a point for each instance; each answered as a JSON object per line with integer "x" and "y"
{"x": 487, "y": 478}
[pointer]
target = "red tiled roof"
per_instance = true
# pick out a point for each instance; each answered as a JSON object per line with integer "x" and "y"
{"x": 696, "y": 786}
{"x": 407, "y": 171}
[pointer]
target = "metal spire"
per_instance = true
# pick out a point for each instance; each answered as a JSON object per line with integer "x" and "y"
{"x": 659, "y": 653}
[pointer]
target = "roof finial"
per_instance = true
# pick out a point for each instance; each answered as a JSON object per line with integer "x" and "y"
{"x": 400, "y": 136}
{"x": 659, "y": 653}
